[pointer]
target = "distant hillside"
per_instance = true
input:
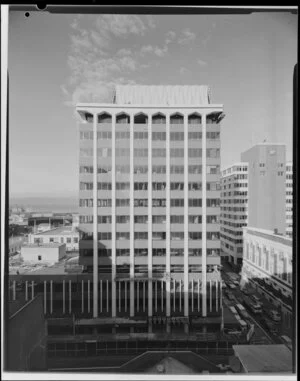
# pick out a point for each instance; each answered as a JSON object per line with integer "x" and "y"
{"x": 46, "y": 204}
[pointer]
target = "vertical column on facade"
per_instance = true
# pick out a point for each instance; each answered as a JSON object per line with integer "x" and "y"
{"x": 125, "y": 285}
{"x": 150, "y": 283}
{"x": 32, "y": 289}
{"x": 70, "y": 296}
{"x": 119, "y": 296}
{"x": 89, "y": 296}
{"x": 217, "y": 301}
{"x": 107, "y": 295}
{"x": 186, "y": 220}
{"x": 101, "y": 297}
{"x": 168, "y": 219}
{"x": 26, "y": 290}
{"x": 113, "y": 216}
{"x": 174, "y": 295}
{"x": 210, "y": 295}
{"x": 198, "y": 295}
{"x": 131, "y": 217}
{"x": 203, "y": 122}
{"x": 64, "y": 296}
{"x": 45, "y": 297}
{"x": 82, "y": 296}
{"x": 51, "y": 296}
{"x": 95, "y": 217}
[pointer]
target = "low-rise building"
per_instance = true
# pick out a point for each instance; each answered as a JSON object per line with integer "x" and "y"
{"x": 63, "y": 234}
{"x": 26, "y": 336}
{"x": 275, "y": 358}
{"x": 43, "y": 253}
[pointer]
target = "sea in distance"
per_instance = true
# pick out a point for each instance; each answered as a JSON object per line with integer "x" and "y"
{"x": 46, "y": 204}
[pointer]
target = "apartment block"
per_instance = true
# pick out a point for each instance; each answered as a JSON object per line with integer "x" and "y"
{"x": 150, "y": 201}
{"x": 266, "y": 186}
{"x": 234, "y": 211}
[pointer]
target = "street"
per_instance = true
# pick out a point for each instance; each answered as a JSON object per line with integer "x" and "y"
{"x": 261, "y": 335}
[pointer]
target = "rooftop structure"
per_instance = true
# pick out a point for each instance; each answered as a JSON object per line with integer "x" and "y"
{"x": 264, "y": 358}
{"x": 162, "y": 95}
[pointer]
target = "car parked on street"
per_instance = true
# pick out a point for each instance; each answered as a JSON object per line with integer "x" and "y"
{"x": 274, "y": 315}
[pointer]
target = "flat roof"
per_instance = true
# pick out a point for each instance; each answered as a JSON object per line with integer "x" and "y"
{"x": 269, "y": 234}
{"x": 62, "y": 230}
{"x": 43, "y": 245}
{"x": 264, "y": 358}
{"x": 162, "y": 94}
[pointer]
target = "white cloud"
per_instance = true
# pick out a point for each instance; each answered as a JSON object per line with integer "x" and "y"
{"x": 170, "y": 36}
{"x": 183, "y": 70}
{"x": 160, "y": 52}
{"x": 95, "y": 67}
{"x": 124, "y": 52}
{"x": 201, "y": 63}
{"x": 186, "y": 37}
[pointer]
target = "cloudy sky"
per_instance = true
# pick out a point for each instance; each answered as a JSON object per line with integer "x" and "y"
{"x": 58, "y": 60}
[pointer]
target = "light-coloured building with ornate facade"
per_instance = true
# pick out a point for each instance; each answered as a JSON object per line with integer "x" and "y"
{"x": 268, "y": 263}
{"x": 289, "y": 198}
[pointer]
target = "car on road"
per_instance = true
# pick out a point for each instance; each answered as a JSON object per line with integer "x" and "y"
{"x": 274, "y": 315}
{"x": 245, "y": 291}
{"x": 224, "y": 367}
{"x": 256, "y": 299}
{"x": 231, "y": 286}
{"x": 269, "y": 325}
{"x": 229, "y": 331}
{"x": 230, "y": 296}
{"x": 241, "y": 310}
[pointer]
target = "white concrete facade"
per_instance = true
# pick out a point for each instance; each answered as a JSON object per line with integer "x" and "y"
{"x": 43, "y": 254}
{"x": 234, "y": 210}
{"x": 148, "y": 285}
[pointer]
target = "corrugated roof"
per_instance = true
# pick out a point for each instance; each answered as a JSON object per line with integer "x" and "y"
{"x": 168, "y": 95}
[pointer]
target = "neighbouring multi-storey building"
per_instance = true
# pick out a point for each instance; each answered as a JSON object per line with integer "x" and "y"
{"x": 234, "y": 211}
{"x": 266, "y": 186}
{"x": 236, "y": 197}
{"x": 267, "y": 263}
{"x": 150, "y": 201}
{"x": 289, "y": 198}
{"x": 64, "y": 234}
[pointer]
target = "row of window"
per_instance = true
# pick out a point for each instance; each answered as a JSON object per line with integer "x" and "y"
{"x": 156, "y": 152}
{"x": 140, "y": 135}
{"x": 107, "y": 236}
{"x": 176, "y": 219}
{"x": 57, "y": 239}
{"x": 156, "y": 169}
{"x": 158, "y": 118}
{"x": 156, "y": 186}
{"x": 177, "y": 202}
{"x": 144, "y": 252}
